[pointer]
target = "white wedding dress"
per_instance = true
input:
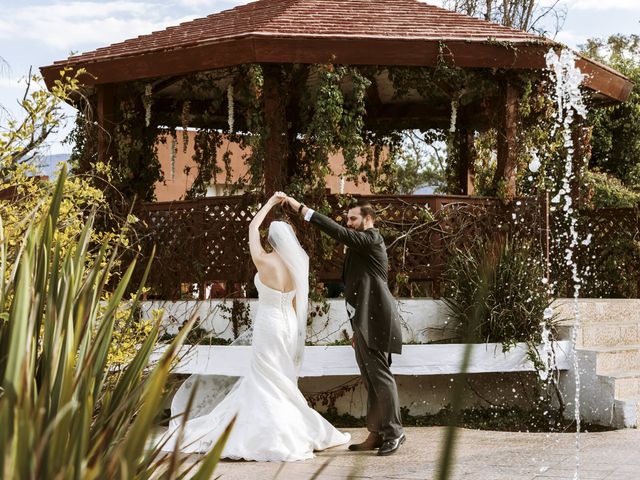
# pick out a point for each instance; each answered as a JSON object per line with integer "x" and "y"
{"x": 274, "y": 422}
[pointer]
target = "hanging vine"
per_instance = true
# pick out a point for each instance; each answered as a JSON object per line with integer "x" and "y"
{"x": 253, "y": 139}
{"x": 84, "y": 137}
{"x": 135, "y": 164}
{"x": 206, "y": 145}
{"x": 185, "y": 121}
{"x": 332, "y": 118}
{"x": 327, "y": 115}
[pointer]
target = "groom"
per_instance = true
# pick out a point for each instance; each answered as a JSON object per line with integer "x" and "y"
{"x": 374, "y": 318}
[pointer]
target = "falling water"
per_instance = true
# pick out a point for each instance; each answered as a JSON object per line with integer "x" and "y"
{"x": 567, "y": 78}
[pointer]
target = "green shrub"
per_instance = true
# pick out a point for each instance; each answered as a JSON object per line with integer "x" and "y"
{"x": 63, "y": 412}
{"x": 601, "y": 190}
{"x": 615, "y": 270}
{"x": 495, "y": 292}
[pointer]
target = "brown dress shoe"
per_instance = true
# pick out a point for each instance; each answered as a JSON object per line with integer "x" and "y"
{"x": 372, "y": 442}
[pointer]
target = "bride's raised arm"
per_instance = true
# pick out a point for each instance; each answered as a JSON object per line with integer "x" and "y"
{"x": 255, "y": 246}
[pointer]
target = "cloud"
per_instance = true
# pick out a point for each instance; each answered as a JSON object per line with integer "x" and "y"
{"x": 87, "y": 25}
{"x": 72, "y": 25}
{"x": 633, "y": 5}
{"x": 6, "y": 83}
{"x": 570, "y": 38}
{"x": 97, "y": 32}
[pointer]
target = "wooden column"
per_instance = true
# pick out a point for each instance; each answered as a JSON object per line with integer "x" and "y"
{"x": 507, "y": 133}
{"x": 276, "y": 148}
{"x": 297, "y": 88}
{"x": 467, "y": 159}
{"x": 106, "y": 112}
{"x": 581, "y": 136}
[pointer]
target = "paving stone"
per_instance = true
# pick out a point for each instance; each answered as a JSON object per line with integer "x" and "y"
{"x": 480, "y": 455}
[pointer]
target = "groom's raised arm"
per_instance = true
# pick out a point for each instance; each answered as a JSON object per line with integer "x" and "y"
{"x": 360, "y": 240}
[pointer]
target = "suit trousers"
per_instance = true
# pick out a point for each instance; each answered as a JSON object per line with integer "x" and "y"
{"x": 383, "y": 406}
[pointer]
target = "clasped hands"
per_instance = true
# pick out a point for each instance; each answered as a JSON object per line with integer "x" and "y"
{"x": 280, "y": 198}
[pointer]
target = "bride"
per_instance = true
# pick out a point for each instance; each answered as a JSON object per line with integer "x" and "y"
{"x": 274, "y": 422}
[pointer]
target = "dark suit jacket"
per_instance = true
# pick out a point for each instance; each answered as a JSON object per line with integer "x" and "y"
{"x": 365, "y": 277}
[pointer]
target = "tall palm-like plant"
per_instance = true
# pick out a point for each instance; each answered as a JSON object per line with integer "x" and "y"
{"x": 63, "y": 414}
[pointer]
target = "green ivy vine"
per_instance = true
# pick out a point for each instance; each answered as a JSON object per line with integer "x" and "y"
{"x": 135, "y": 163}
{"x": 326, "y": 109}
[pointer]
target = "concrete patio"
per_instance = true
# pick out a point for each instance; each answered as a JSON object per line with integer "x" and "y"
{"x": 480, "y": 455}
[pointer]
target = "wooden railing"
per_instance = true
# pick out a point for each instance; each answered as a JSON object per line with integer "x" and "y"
{"x": 205, "y": 241}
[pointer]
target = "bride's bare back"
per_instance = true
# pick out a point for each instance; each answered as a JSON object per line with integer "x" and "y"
{"x": 274, "y": 272}
{"x": 271, "y": 268}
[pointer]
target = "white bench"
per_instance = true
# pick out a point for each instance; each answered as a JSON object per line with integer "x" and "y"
{"x": 320, "y": 361}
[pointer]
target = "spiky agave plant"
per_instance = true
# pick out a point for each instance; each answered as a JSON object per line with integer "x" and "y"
{"x": 511, "y": 310}
{"x": 63, "y": 414}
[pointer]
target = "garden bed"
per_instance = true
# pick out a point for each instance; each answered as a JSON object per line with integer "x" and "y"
{"x": 500, "y": 418}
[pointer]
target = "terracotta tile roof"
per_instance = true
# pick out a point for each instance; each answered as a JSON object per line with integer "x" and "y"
{"x": 361, "y": 19}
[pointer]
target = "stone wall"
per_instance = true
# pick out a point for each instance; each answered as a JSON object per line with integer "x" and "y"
{"x": 423, "y": 320}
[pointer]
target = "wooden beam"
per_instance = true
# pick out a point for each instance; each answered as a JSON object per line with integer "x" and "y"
{"x": 397, "y": 115}
{"x": 159, "y": 63}
{"x": 106, "y": 112}
{"x": 347, "y": 51}
{"x": 466, "y": 172}
{"x": 409, "y": 110}
{"x": 605, "y": 80}
{"x": 160, "y": 85}
{"x": 167, "y": 112}
{"x": 507, "y": 133}
{"x": 581, "y": 136}
{"x": 416, "y": 115}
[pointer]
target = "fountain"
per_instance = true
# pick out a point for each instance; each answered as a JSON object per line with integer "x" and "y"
{"x": 567, "y": 78}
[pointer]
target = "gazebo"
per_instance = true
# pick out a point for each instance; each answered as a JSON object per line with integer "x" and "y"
{"x": 348, "y": 32}
{"x": 285, "y": 37}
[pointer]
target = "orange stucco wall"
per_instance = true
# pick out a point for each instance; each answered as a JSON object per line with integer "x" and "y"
{"x": 177, "y": 181}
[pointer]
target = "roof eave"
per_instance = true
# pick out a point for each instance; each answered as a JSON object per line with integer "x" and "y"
{"x": 257, "y": 48}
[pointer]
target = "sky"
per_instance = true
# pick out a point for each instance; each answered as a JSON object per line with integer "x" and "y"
{"x": 34, "y": 33}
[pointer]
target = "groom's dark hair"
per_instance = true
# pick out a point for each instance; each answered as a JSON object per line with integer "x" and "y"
{"x": 365, "y": 208}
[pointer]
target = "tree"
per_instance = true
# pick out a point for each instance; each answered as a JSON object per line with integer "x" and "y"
{"x": 21, "y": 142}
{"x": 527, "y": 15}
{"x": 419, "y": 163}
{"x": 616, "y": 129}
{"x": 22, "y": 138}
{"x": 24, "y": 197}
